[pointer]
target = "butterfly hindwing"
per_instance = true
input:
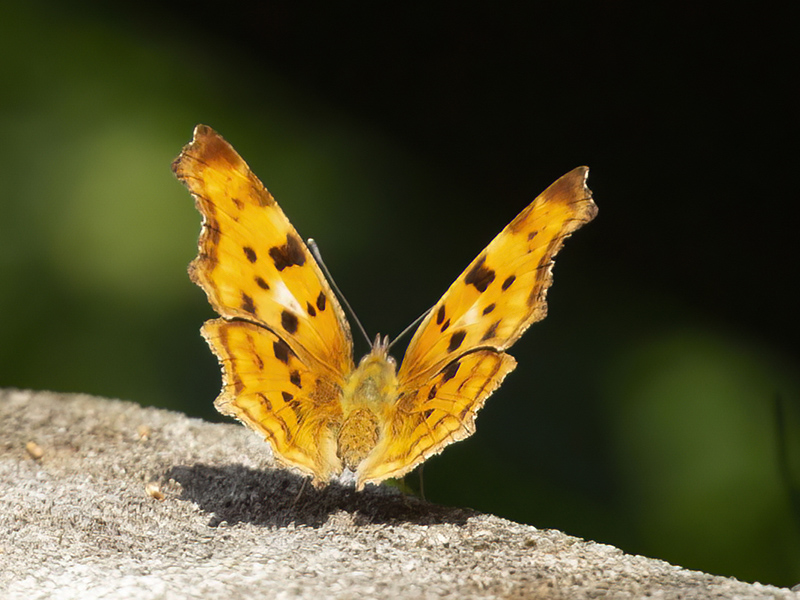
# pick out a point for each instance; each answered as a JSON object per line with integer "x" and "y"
{"x": 441, "y": 411}
{"x": 251, "y": 263}
{"x": 271, "y": 390}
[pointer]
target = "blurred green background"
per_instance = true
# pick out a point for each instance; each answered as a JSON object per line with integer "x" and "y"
{"x": 656, "y": 408}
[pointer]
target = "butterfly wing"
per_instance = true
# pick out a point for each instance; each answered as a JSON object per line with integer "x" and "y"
{"x": 502, "y": 292}
{"x": 429, "y": 416}
{"x": 261, "y": 278}
{"x": 273, "y": 391}
{"x": 456, "y": 357}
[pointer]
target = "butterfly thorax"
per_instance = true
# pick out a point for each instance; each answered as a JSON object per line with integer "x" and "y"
{"x": 368, "y": 392}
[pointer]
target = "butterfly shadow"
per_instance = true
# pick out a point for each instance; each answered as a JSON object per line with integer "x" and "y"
{"x": 277, "y": 498}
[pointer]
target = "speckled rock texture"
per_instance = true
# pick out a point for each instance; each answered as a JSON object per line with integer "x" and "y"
{"x": 106, "y": 499}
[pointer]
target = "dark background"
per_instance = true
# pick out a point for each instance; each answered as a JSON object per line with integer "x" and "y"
{"x": 656, "y": 408}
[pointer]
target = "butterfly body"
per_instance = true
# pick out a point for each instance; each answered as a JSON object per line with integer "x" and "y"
{"x": 368, "y": 394}
{"x": 285, "y": 345}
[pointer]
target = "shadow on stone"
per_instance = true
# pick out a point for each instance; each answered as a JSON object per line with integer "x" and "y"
{"x": 273, "y": 498}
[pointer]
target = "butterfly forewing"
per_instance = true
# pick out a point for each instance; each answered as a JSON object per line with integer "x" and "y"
{"x": 502, "y": 292}
{"x": 251, "y": 263}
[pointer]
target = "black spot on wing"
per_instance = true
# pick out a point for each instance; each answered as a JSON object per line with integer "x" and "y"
{"x": 450, "y": 371}
{"x": 445, "y": 326}
{"x": 489, "y": 308}
{"x": 261, "y": 283}
{"x": 456, "y": 339}
{"x": 507, "y": 283}
{"x": 281, "y": 350}
{"x": 250, "y": 254}
{"x": 289, "y": 321}
{"x": 429, "y": 412}
{"x": 247, "y": 304}
{"x": 312, "y": 312}
{"x": 491, "y": 332}
{"x": 290, "y": 254}
{"x": 432, "y": 393}
{"x": 294, "y": 377}
{"x": 321, "y": 300}
{"x": 480, "y": 275}
{"x": 287, "y": 396}
{"x": 440, "y": 315}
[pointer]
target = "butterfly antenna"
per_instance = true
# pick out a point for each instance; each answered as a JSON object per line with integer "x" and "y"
{"x": 414, "y": 323}
{"x": 312, "y": 245}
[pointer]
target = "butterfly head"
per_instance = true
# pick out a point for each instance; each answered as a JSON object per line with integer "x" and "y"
{"x": 379, "y": 352}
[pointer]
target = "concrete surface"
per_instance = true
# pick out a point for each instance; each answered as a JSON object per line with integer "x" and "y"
{"x": 106, "y": 499}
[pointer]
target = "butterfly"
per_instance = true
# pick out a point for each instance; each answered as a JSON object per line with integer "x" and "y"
{"x": 286, "y": 349}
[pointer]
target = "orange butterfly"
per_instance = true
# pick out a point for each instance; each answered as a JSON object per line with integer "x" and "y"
{"x": 285, "y": 345}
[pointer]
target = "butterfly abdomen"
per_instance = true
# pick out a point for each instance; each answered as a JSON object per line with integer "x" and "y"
{"x": 357, "y": 437}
